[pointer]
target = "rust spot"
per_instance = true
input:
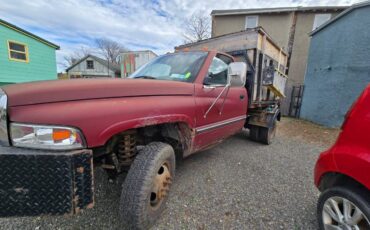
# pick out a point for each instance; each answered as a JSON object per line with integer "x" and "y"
{"x": 80, "y": 169}
{"x": 21, "y": 190}
{"x": 187, "y": 136}
{"x": 91, "y": 205}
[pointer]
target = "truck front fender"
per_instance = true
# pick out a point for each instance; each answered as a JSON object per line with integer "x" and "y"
{"x": 143, "y": 122}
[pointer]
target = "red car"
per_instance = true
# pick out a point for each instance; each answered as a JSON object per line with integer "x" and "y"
{"x": 342, "y": 173}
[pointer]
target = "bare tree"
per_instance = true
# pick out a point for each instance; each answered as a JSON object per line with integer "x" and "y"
{"x": 197, "y": 27}
{"x": 75, "y": 56}
{"x": 109, "y": 49}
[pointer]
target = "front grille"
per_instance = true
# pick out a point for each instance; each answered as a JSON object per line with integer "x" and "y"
{"x": 4, "y": 139}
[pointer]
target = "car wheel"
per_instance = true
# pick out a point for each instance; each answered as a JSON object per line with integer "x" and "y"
{"x": 146, "y": 186}
{"x": 254, "y": 132}
{"x": 342, "y": 208}
{"x": 266, "y": 135}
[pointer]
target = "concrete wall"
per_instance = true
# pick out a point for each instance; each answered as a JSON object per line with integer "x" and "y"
{"x": 277, "y": 25}
{"x": 298, "y": 61}
{"x": 227, "y": 24}
{"x": 338, "y": 68}
{"x": 98, "y": 71}
{"x": 40, "y": 66}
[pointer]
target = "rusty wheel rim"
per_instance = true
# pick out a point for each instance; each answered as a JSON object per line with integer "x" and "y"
{"x": 161, "y": 185}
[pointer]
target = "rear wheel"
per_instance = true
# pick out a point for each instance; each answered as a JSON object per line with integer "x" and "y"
{"x": 266, "y": 135}
{"x": 145, "y": 190}
{"x": 343, "y": 208}
{"x": 254, "y": 133}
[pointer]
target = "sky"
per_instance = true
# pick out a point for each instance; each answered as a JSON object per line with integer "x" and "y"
{"x": 157, "y": 25}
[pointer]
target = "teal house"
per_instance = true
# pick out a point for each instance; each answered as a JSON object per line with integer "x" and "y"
{"x": 25, "y": 57}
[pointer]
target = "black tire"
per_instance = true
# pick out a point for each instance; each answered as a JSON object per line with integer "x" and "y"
{"x": 137, "y": 211}
{"x": 357, "y": 196}
{"x": 267, "y": 135}
{"x": 254, "y": 133}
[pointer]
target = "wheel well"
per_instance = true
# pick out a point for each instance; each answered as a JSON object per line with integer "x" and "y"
{"x": 332, "y": 179}
{"x": 119, "y": 152}
{"x": 178, "y": 135}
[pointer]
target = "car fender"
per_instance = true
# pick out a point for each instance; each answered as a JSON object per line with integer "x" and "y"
{"x": 355, "y": 165}
{"x": 324, "y": 164}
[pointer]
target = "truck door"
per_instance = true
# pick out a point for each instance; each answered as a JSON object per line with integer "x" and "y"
{"x": 220, "y": 111}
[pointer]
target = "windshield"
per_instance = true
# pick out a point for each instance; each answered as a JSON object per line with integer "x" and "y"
{"x": 176, "y": 67}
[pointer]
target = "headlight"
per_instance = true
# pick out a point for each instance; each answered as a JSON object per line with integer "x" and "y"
{"x": 46, "y": 137}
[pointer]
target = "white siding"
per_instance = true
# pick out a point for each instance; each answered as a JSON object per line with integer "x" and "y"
{"x": 99, "y": 70}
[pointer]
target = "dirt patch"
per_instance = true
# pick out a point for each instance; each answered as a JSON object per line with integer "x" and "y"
{"x": 307, "y": 131}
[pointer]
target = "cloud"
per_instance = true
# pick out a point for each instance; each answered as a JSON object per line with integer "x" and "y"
{"x": 137, "y": 24}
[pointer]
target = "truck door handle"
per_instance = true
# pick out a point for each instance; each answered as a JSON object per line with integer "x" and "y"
{"x": 242, "y": 97}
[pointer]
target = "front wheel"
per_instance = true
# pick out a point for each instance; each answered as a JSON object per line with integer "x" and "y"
{"x": 343, "y": 208}
{"x": 146, "y": 186}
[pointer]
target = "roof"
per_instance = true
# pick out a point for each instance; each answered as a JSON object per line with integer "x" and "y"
{"x": 276, "y": 10}
{"x": 22, "y": 31}
{"x": 347, "y": 11}
{"x": 110, "y": 65}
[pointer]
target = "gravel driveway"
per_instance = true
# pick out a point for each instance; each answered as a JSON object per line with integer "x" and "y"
{"x": 237, "y": 185}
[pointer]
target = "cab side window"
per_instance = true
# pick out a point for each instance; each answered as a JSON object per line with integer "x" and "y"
{"x": 217, "y": 73}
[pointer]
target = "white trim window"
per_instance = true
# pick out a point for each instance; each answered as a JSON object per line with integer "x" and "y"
{"x": 320, "y": 19}
{"x": 251, "y": 21}
{"x": 89, "y": 64}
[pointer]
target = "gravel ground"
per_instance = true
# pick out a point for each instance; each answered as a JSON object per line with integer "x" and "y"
{"x": 237, "y": 185}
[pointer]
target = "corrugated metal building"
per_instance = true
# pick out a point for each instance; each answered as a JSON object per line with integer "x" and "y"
{"x": 132, "y": 60}
{"x": 338, "y": 67}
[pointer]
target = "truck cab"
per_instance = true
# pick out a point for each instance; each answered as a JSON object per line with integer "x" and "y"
{"x": 174, "y": 106}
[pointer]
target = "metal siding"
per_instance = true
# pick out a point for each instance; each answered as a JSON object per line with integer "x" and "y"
{"x": 338, "y": 68}
{"x": 41, "y": 65}
{"x": 131, "y": 61}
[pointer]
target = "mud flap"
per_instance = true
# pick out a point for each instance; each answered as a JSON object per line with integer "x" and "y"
{"x": 36, "y": 183}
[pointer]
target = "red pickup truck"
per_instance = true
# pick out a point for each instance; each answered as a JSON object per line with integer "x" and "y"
{"x": 174, "y": 106}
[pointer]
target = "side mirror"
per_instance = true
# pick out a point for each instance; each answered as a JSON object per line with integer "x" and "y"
{"x": 237, "y": 74}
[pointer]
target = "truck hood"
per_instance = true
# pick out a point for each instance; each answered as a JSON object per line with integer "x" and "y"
{"x": 85, "y": 89}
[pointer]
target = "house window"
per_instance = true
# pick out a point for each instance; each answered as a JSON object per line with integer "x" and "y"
{"x": 251, "y": 22}
{"x": 17, "y": 51}
{"x": 89, "y": 64}
{"x": 320, "y": 19}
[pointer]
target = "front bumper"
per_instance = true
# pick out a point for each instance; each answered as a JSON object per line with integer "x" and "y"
{"x": 34, "y": 182}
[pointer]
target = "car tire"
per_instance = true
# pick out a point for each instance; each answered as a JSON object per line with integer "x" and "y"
{"x": 142, "y": 201}
{"x": 356, "y": 196}
{"x": 267, "y": 135}
{"x": 254, "y": 133}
